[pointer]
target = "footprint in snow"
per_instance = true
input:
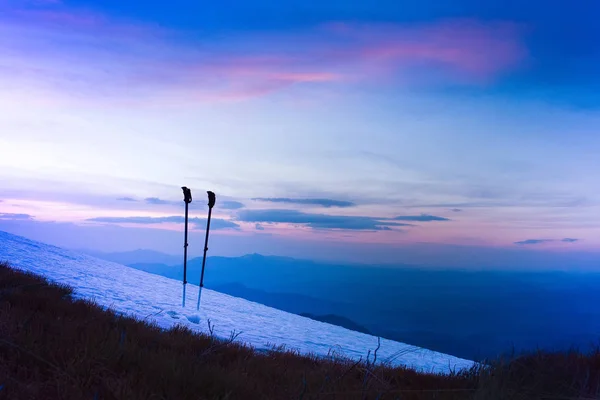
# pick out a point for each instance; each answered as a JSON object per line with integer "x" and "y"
{"x": 173, "y": 314}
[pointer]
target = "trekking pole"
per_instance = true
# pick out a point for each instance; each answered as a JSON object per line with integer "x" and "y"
{"x": 187, "y": 198}
{"x": 211, "y": 204}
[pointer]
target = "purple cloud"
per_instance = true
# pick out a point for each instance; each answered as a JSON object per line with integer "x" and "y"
{"x": 327, "y": 203}
{"x": 540, "y": 241}
{"x": 420, "y": 218}
{"x": 17, "y": 217}
{"x": 534, "y": 241}
{"x": 569, "y": 240}
{"x": 216, "y": 223}
{"x": 231, "y": 205}
{"x": 318, "y": 221}
{"x": 157, "y": 201}
{"x": 152, "y": 60}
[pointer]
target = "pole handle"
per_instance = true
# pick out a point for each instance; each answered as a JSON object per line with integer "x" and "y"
{"x": 212, "y": 199}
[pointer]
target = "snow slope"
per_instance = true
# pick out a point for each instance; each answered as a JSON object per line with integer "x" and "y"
{"x": 158, "y": 299}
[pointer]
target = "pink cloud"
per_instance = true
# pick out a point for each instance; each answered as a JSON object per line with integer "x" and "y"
{"x": 474, "y": 49}
{"x": 127, "y": 59}
{"x": 464, "y": 52}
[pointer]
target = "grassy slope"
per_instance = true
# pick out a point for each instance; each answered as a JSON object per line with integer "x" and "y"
{"x": 54, "y": 347}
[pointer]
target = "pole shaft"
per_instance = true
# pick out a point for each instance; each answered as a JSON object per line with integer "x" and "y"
{"x": 204, "y": 258}
{"x": 185, "y": 247}
{"x": 205, "y": 247}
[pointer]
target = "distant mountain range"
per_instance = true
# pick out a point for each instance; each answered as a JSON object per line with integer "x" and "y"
{"x": 136, "y": 256}
{"x": 471, "y": 314}
{"x": 160, "y": 264}
{"x": 339, "y": 321}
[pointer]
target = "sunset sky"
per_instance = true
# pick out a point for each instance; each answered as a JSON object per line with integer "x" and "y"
{"x": 354, "y": 130}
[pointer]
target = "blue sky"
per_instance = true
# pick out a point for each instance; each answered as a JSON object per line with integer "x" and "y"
{"x": 356, "y": 124}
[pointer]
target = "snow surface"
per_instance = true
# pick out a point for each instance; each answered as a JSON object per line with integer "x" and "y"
{"x": 158, "y": 299}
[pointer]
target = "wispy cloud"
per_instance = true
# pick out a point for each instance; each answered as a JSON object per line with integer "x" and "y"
{"x": 318, "y": 221}
{"x": 541, "y": 241}
{"x": 129, "y": 199}
{"x": 216, "y": 223}
{"x": 150, "y": 60}
{"x": 157, "y": 201}
{"x": 511, "y": 201}
{"x": 459, "y": 45}
{"x": 259, "y": 227}
{"x": 231, "y": 205}
{"x": 534, "y": 241}
{"x": 18, "y": 217}
{"x": 569, "y": 240}
{"x": 420, "y": 218}
{"x": 456, "y": 209}
{"x": 327, "y": 203}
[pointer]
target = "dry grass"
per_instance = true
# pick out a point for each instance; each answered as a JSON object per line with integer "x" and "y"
{"x": 54, "y": 347}
{"x": 543, "y": 375}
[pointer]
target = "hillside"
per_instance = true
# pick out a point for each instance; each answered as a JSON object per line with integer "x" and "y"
{"x": 53, "y": 346}
{"x": 158, "y": 299}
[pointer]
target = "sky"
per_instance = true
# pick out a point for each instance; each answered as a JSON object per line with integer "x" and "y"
{"x": 436, "y": 132}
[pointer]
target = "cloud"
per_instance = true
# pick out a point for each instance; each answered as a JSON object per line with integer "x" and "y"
{"x": 540, "y": 241}
{"x": 456, "y": 209}
{"x": 130, "y": 199}
{"x": 534, "y": 241}
{"x": 259, "y": 227}
{"x": 157, "y": 201}
{"x": 505, "y": 198}
{"x": 569, "y": 240}
{"x": 153, "y": 61}
{"x": 215, "y": 223}
{"x": 456, "y": 44}
{"x": 17, "y": 217}
{"x": 318, "y": 221}
{"x": 231, "y": 205}
{"x": 327, "y": 203}
{"x": 194, "y": 205}
{"x": 420, "y": 218}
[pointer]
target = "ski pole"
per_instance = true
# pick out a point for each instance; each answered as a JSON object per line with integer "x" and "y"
{"x": 187, "y": 198}
{"x": 211, "y": 204}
